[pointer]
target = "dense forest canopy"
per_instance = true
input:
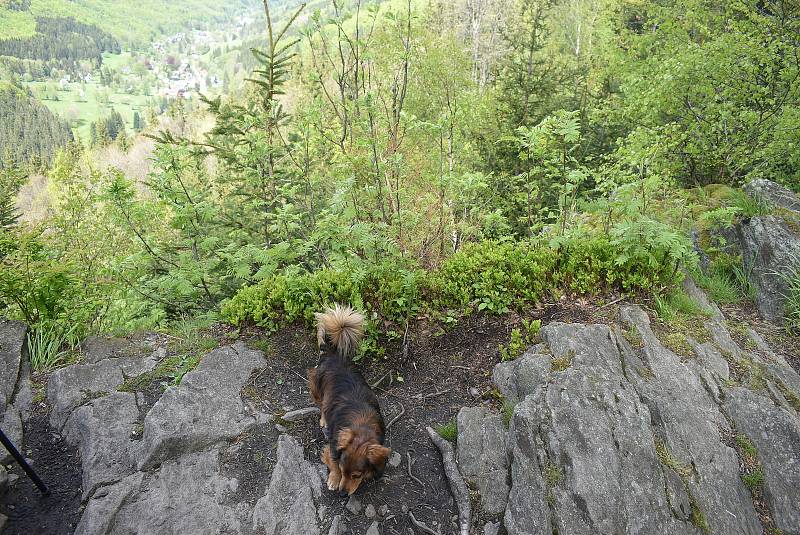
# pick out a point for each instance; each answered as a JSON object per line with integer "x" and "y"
{"x": 61, "y": 38}
{"x": 58, "y": 44}
{"x": 29, "y": 132}
{"x": 436, "y": 156}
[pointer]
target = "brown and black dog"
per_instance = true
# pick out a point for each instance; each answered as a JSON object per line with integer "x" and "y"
{"x": 349, "y": 411}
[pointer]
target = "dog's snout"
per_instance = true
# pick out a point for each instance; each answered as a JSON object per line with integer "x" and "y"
{"x": 343, "y": 493}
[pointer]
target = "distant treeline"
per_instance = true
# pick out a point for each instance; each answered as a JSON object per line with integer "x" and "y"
{"x": 16, "y": 5}
{"x": 29, "y": 132}
{"x": 59, "y": 43}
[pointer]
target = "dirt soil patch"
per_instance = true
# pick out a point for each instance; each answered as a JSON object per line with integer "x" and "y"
{"x": 58, "y": 465}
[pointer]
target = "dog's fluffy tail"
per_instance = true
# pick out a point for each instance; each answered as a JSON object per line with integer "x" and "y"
{"x": 342, "y": 326}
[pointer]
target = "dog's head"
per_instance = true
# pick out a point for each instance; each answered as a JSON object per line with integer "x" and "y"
{"x": 361, "y": 457}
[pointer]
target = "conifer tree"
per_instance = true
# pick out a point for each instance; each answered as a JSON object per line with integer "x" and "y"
{"x": 11, "y": 179}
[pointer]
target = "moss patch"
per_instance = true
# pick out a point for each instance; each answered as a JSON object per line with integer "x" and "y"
{"x": 790, "y": 396}
{"x": 677, "y": 325}
{"x": 262, "y": 344}
{"x": 667, "y": 459}
{"x": 563, "y": 362}
{"x": 677, "y": 343}
{"x": 553, "y": 475}
{"x": 172, "y": 368}
{"x": 684, "y": 471}
{"x": 698, "y": 518}
{"x": 508, "y": 413}
{"x": 633, "y": 336}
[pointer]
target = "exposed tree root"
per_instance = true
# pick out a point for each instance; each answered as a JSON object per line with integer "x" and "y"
{"x": 421, "y": 525}
{"x": 457, "y": 486}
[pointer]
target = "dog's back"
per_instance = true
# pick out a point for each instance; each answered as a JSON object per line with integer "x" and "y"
{"x": 350, "y": 414}
{"x": 343, "y": 389}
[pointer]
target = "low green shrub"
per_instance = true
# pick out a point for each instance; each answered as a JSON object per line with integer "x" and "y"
{"x": 520, "y": 340}
{"x": 491, "y": 276}
{"x": 387, "y": 290}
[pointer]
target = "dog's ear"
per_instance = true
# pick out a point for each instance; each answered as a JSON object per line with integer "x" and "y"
{"x": 344, "y": 438}
{"x": 377, "y": 455}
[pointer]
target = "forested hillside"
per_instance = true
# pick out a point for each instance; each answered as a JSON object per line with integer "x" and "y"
{"x": 430, "y": 158}
{"x": 59, "y": 44}
{"x": 130, "y": 22}
{"x": 29, "y": 132}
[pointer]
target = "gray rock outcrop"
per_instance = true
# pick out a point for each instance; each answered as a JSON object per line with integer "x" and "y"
{"x": 481, "y": 454}
{"x": 97, "y": 348}
{"x": 186, "y": 495}
{"x": 12, "y": 347}
{"x": 773, "y": 193}
{"x": 70, "y": 387}
{"x": 204, "y": 409}
{"x": 15, "y": 388}
{"x": 287, "y": 507}
{"x": 158, "y": 469}
{"x": 613, "y": 437}
{"x": 102, "y": 431}
{"x": 612, "y": 432}
{"x": 769, "y": 250}
{"x": 775, "y": 433}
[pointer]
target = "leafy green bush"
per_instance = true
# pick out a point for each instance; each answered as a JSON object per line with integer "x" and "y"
{"x": 388, "y": 290}
{"x": 48, "y": 294}
{"x": 520, "y": 341}
{"x": 493, "y": 276}
{"x": 649, "y": 253}
{"x": 489, "y": 276}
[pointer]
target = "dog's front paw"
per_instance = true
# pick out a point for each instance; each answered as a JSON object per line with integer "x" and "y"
{"x": 333, "y": 481}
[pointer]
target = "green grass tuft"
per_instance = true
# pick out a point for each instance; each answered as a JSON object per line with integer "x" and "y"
{"x": 747, "y": 447}
{"x": 508, "y": 413}
{"x": 448, "y": 431}
{"x": 48, "y": 348}
{"x": 791, "y": 276}
{"x": 747, "y": 206}
{"x": 726, "y": 280}
{"x": 263, "y": 344}
{"x": 753, "y": 480}
{"x": 553, "y": 475}
{"x": 675, "y": 303}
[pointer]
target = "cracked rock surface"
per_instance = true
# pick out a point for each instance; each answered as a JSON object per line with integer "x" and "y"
{"x": 634, "y": 438}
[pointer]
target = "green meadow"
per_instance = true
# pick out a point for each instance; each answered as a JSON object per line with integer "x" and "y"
{"x": 81, "y": 110}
